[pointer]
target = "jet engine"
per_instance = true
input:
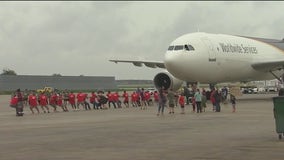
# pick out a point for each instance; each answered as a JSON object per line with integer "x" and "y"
{"x": 168, "y": 81}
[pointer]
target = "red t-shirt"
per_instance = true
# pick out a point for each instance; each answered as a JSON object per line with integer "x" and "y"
{"x": 156, "y": 96}
{"x": 110, "y": 97}
{"x": 181, "y": 100}
{"x": 72, "y": 98}
{"x": 14, "y": 100}
{"x": 43, "y": 100}
{"x": 193, "y": 100}
{"x": 134, "y": 97}
{"x": 147, "y": 96}
{"x": 125, "y": 95}
{"x": 85, "y": 96}
{"x": 80, "y": 97}
{"x": 212, "y": 97}
{"x": 53, "y": 99}
{"x": 93, "y": 98}
{"x": 59, "y": 100}
{"x": 32, "y": 100}
{"x": 115, "y": 97}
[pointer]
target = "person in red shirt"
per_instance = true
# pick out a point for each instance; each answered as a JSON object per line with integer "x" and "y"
{"x": 147, "y": 97}
{"x": 126, "y": 99}
{"x": 59, "y": 102}
{"x": 80, "y": 100}
{"x": 212, "y": 98}
{"x": 181, "y": 102}
{"x": 93, "y": 100}
{"x": 43, "y": 102}
{"x": 116, "y": 99}
{"x": 14, "y": 101}
{"x": 156, "y": 97}
{"x": 110, "y": 99}
{"x": 193, "y": 102}
{"x": 52, "y": 101}
{"x": 32, "y": 100}
{"x": 72, "y": 100}
{"x": 134, "y": 99}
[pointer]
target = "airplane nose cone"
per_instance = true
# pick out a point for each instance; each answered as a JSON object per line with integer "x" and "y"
{"x": 172, "y": 62}
{"x": 179, "y": 64}
{"x": 169, "y": 58}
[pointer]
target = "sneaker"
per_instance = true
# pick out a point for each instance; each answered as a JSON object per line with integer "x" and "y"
{"x": 19, "y": 114}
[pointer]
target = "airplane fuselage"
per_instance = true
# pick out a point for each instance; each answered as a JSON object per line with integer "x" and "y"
{"x": 213, "y": 58}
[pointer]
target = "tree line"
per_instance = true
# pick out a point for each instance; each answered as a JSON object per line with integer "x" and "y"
{"x": 7, "y": 71}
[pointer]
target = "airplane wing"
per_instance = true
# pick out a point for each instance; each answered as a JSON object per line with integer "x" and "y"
{"x": 138, "y": 63}
{"x": 269, "y": 65}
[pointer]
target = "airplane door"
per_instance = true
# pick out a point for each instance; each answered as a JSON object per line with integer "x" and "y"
{"x": 211, "y": 53}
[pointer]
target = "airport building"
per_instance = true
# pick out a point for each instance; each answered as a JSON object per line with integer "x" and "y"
{"x": 12, "y": 82}
{"x": 134, "y": 82}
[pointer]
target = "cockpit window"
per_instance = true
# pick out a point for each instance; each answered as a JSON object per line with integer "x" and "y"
{"x": 171, "y": 48}
{"x": 178, "y": 47}
{"x": 188, "y": 47}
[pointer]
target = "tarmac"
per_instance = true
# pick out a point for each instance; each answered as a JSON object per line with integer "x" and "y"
{"x": 134, "y": 134}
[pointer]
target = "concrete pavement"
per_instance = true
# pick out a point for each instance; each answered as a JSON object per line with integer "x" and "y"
{"x": 122, "y": 134}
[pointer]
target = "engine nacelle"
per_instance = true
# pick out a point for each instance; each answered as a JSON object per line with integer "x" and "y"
{"x": 167, "y": 80}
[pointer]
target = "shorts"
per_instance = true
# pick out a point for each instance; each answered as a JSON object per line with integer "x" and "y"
{"x": 172, "y": 105}
{"x": 182, "y": 106}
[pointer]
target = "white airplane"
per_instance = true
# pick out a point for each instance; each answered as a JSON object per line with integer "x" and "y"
{"x": 214, "y": 58}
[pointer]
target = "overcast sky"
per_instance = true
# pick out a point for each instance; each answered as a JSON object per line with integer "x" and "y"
{"x": 79, "y": 38}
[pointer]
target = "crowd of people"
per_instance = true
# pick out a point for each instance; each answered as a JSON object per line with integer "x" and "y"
{"x": 161, "y": 98}
{"x": 198, "y": 100}
{"x": 70, "y": 101}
